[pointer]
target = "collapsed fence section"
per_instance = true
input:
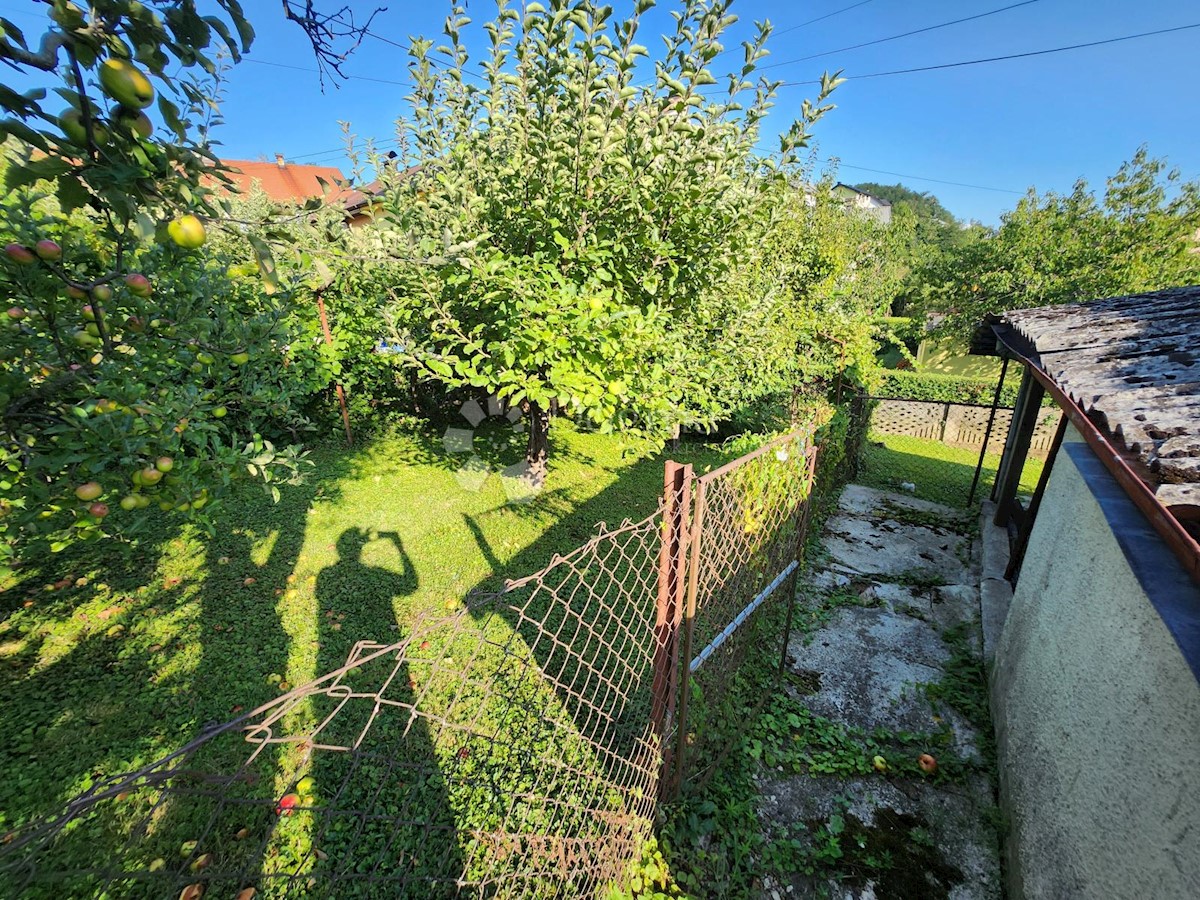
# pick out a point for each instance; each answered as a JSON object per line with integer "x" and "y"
{"x": 507, "y": 750}
{"x": 516, "y": 748}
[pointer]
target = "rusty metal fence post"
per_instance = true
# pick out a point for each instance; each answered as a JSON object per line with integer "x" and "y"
{"x": 672, "y": 562}
{"x": 672, "y": 784}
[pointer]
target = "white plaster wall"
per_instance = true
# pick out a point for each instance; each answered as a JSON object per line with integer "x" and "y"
{"x": 1097, "y": 718}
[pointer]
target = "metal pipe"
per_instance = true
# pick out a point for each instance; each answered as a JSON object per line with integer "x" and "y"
{"x": 733, "y": 626}
{"x": 988, "y": 431}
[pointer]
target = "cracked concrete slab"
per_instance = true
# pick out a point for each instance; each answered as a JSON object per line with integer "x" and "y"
{"x": 964, "y": 840}
{"x": 870, "y": 659}
{"x": 900, "y": 572}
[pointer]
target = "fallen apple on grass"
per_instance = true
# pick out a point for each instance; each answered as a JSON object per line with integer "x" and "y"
{"x": 927, "y": 763}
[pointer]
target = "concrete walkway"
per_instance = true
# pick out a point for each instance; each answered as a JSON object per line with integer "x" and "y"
{"x": 892, "y": 608}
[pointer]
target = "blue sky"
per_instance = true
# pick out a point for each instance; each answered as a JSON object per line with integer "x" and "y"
{"x": 1042, "y": 121}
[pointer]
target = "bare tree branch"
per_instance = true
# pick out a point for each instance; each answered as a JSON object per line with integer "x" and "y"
{"x": 326, "y": 30}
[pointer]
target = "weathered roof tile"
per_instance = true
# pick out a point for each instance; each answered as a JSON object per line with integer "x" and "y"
{"x": 1132, "y": 363}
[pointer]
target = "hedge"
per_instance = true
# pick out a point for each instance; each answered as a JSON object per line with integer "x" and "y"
{"x": 906, "y": 385}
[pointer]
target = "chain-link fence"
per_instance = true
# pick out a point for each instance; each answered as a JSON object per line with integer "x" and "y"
{"x": 747, "y": 528}
{"x": 506, "y": 750}
{"x": 945, "y": 452}
{"x": 512, "y": 749}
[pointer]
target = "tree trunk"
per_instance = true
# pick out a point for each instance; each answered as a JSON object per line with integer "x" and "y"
{"x": 538, "y": 447}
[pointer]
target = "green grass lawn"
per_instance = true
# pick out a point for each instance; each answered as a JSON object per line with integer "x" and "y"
{"x": 940, "y": 473}
{"x": 142, "y": 650}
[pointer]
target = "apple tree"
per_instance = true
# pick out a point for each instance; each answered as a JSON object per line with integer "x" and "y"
{"x": 572, "y": 220}
{"x": 136, "y": 372}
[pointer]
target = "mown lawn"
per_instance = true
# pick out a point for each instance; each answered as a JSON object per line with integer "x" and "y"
{"x": 141, "y": 651}
{"x": 937, "y": 472}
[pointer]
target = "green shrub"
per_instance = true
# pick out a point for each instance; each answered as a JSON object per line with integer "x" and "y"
{"x": 906, "y": 385}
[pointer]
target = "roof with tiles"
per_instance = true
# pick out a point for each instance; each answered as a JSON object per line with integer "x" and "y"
{"x": 286, "y": 182}
{"x": 1133, "y": 365}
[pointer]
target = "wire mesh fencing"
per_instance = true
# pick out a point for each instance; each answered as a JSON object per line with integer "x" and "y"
{"x": 947, "y": 453}
{"x": 746, "y": 531}
{"x": 506, "y": 750}
{"x": 515, "y": 748}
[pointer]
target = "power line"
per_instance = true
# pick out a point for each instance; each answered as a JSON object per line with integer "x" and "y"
{"x": 276, "y": 65}
{"x": 834, "y": 160}
{"x": 822, "y": 18}
{"x": 991, "y": 59}
{"x": 803, "y": 24}
{"x": 408, "y": 47}
{"x": 896, "y": 37}
{"x": 381, "y": 143}
{"x": 978, "y": 187}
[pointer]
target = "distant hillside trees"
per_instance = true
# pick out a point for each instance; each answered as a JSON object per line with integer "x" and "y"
{"x": 1140, "y": 235}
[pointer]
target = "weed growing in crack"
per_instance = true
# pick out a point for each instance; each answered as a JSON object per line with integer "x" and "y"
{"x": 920, "y": 518}
{"x": 920, "y": 579}
{"x": 963, "y": 686}
{"x": 815, "y": 614}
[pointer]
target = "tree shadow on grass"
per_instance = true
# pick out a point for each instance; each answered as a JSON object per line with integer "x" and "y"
{"x": 524, "y": 715}
{"x": 179, "y": 654}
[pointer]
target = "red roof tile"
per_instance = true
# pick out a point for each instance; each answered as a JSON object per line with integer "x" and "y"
{"x": 287, "y": 183}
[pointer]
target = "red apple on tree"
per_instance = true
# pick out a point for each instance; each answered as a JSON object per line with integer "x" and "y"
{"x": 75, "y": 292}
{"x": 19, "y": 254}
{"x": 48, "y": 250}
{"x": 139, "y": 285}
{"x": 151, "y": 476}
{"x": 16, "y": 313}
{"x": 99, "y": 510}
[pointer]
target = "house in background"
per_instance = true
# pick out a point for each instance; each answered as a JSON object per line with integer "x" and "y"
{"x": 286, "y": 182}
{"x": 1095, "y": 656}
{"x": 873, "y": 206}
